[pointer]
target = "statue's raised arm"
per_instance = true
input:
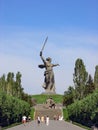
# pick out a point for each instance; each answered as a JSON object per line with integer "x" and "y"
{"x": 42, "y": 58}
{"x": 42, "y": 65}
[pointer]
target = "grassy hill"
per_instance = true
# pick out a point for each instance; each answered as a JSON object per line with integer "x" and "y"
{"x": 41, "y": 98}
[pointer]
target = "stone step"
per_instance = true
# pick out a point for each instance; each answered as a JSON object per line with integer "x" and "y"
{"x": 48, "y": 112}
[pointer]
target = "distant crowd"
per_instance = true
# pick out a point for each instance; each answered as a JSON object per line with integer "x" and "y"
{"x": 43, "y": 119}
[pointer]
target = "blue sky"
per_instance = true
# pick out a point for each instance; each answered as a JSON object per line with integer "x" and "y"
{"x": 72, "y": 30}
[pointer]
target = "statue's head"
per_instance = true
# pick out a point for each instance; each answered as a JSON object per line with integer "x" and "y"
{"x": 49, "y": 59}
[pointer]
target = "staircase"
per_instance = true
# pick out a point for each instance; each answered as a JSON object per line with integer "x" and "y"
{"x": 51, "y": 112}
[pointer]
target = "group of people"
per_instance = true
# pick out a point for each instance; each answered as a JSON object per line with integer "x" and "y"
{"x": 39, "y": 120}
{"x": 43, "y": 120}
{"x": 58, "y": 117}
{"x": 46, "y": 119}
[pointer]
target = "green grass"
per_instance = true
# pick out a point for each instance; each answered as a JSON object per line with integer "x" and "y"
{"x": 41, "y": 98}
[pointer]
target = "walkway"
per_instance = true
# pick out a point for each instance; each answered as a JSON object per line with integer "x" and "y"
{"x": 53, "y": 125}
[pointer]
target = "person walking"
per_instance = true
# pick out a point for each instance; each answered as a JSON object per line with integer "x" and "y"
{"x": 42, "y": 119}
{"x": 47, "y": 120}
{"x": 38, "y": 120}
{"x": 28, "y": 119}
{"x": 24, "y": 119}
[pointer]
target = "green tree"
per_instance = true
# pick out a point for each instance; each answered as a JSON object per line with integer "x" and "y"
{"x": 12, "y": 109}
{"x": 85, "y": 111}
{"x": 27, "y": 98}
{"x": 89, "y": 86}
{"x": 18, "y": 86}
{"x": 3, "y": 83}
{"x": 80, "y": 78}
{"x": 96, "y": 77}
{"x": 10, "y": 83}
{"x": 68, "y": 96}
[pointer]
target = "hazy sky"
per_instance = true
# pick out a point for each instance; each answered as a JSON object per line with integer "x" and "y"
{"x": 72, "y": 30}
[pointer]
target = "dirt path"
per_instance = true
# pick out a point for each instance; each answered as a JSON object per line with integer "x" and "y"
{"x": 53, "y": 125}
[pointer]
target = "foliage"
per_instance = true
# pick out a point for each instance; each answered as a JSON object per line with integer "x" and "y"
{"x": 32, "y": 113}
{"x": 13, "y": 87}
{"x": 89, "y": 87}
{"x": 12, "y": 109}
{"x": 85, "y": 111}
{"x": 83, "y": 84}
{"x": 96, "y": 77}
{"x": 80, "y": 78}
{"x": 65, "y": 114}
{"x": 81, "y": 100}
{"x": 68, "y": 96}
{"x": 12, "y": 99}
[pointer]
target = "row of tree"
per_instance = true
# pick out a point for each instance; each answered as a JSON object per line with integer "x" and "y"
{"x": 81, "y": 100}
{"x": 14, "y": 102}
{"x": 84, "y": 84}
{"x": 11, "y": 85}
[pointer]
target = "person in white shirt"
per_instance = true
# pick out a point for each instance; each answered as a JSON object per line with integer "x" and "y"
{"x": 24, "y": 119}
{"x": 47, "y": 120}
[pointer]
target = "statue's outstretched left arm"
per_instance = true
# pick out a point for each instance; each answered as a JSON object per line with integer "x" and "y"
{"x": 55, "y": 65}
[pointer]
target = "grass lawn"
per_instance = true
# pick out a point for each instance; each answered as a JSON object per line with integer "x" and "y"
{"x": 41, "y": 98}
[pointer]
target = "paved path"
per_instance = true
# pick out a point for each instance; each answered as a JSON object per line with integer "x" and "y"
{"x": 53, "y": 125}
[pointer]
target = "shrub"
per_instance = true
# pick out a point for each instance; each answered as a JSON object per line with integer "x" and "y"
{"x": 65, "y": 114}
{"x": 85, "y": 111}
{"x": 12, "y": 109}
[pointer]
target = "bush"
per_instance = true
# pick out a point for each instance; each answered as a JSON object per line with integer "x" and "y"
{"x": 12, "y": 109}
{"x": 65, "y": 114}
{"x": 85, "y": 111}
{"x": 32, "y": 113}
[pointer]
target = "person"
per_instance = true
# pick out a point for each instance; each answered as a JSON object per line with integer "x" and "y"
{"x": 24, "y": 119}
{"x": 55, "y": 117}
{"x": 38, "y": 119}
{"x": 29, "y": 119}
{"x": 47, "y": 120}
{"x": 49, "y": 81}
{"x": 42, "y": 119}
{"x": 60, "y": 118}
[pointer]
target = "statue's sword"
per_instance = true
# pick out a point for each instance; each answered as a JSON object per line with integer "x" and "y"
{"x": 44, "y": 44}
{"x": 42, "y": 66}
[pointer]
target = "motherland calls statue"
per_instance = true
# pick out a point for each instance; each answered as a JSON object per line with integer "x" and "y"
{"x": 49, "y": 81}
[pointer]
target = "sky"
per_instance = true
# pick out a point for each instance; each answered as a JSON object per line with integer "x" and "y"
{"x": 72, "y": 30}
